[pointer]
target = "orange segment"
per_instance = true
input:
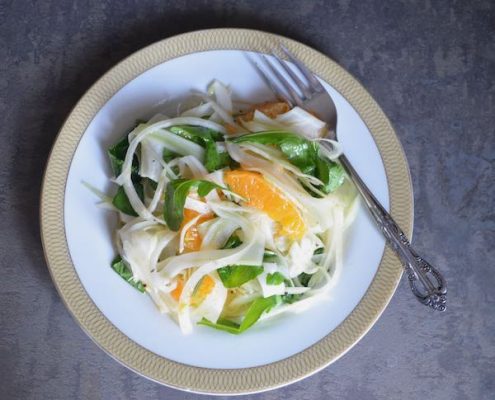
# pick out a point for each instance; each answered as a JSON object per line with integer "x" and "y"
{"x": 260, "y": 194}
{"x": 203, "y": 289}
{"x": 271, "y": 109}
{"x": 192, "y": 239}
{"x": 178, "y": 289}
{"x": 231, "y": 129}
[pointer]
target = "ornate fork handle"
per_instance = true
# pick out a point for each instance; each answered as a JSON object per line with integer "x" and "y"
{"x": 427, "y": 284}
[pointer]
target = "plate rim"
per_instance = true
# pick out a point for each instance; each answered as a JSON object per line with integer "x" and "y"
{"x": 158, "y": 368}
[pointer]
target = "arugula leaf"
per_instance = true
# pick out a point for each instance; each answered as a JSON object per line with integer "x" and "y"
{"x": 319, "y": 250}
{"x": 196, "y": 134}
{"x": 330, "y": 173}
{"x": 175, "y": 198}
{"x": 302, "y": 153}
{"x": 299, "y": 151}
{"x": 270, "y": 256}
{"x": 304, "y": 278}
{"x": 117, "y": 153}
{"x": 275, "y": 279}
{"x": 253, "y": 314}
{"x": 205, "y": 137}
{"x": 168, "y": 155}
{"x": 121, "y": 201}
{"x": 233, "y": 276}
{"x": 215, "y": 159}
{"x": 291, "y": 298}
{"x": 233, "y": 242}
{"x": 151, "y": 182}
{"x": 119, "y": 266}
{"x": 236, "y": 275}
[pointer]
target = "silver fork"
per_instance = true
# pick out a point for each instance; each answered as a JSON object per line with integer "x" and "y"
{"x": 426, "y": 283}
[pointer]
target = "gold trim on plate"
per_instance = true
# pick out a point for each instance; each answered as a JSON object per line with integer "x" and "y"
{"x": 160, "y": 369}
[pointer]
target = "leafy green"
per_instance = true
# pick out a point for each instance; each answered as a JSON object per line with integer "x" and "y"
{"x": 236, "y": 275}
{"x": 304, "y": 278}
{"x": 275, "y": 279}
{"x": 176, "y": 170}
{"x": 117, "y": 153}
{"x": 253, "y": 314}
{"x": 168, "y": 155}
{"x": 299, "y": 151}
{"x": 121, "y": 201}
{"x": 270, "y": 256}
{"x": 196, "y": 134}
{"x": 330, "y": 173}
{"x": 291, "y": 298}
{"x": 319, "y": 250}
{"x": 175, "y": 198}
{"x": 119, "y": 266}
{"x": 214, "y": 159}
{"x": 233, "y": 276}
{"x": 233, "y": 242}
{"x": 303, "y": 153}
{"x": 152, "y": 183}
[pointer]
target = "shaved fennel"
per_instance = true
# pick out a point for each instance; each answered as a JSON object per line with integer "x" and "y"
{"x": 213, "y": 254}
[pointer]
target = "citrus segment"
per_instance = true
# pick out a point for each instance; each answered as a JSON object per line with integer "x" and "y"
{"x": 260, "y": 194}
{"x": 203, "y": 289}
{"x": 192, "y": 239}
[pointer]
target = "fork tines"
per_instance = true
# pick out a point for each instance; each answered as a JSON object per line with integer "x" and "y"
{"x": 285, "y": 82}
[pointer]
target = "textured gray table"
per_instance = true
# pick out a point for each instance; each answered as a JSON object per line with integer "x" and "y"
{"x": 430, "y": 65}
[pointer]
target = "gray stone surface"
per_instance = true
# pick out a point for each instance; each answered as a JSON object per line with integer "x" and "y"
{"x": 431, "y": 66}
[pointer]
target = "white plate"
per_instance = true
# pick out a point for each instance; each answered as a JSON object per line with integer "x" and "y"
{"x": 88, "y": 229}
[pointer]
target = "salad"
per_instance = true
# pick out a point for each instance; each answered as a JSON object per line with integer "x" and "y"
{"x": 229, "y": 214}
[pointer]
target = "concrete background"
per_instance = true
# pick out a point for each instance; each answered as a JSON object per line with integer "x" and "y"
{"x": 429, "y": 64}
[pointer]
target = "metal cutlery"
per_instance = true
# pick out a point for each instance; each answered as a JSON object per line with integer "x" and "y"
{"x": 306, "y": 91}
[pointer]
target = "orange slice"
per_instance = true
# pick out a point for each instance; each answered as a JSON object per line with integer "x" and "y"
{"x": 192, "y": 239}
{"x": 271, "y": 109}
{"x": 260, "y": 194}
{"x": 203, "y": 289}
{"x": 192, "y": 242}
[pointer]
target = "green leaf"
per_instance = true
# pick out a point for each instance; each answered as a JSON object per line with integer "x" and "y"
{"x": 168, "y": 155}
{"x": 205, "y": 137}
{"x": 319, "y": 250}
{"x": 236, "y": 275}
{"x": 176, "y": 170}
{"x": 151, "y": 183}
{"x": 330, "y": 173}
{"x": 270, "y": 256}
{"x": 299, "y": 151}
{"x": 222, "y": 325}
{"x": 233, "y": 242}
{"x": 253, "y": 314}
{"x": 196, "y": 134}
{"x": 275, "y": 279}
{"x": 291, "y": 298}
{"x": 302, "y": 153}
{"x": 215, "y": 159}
{"x": 117, "y": 153}
{"x": 304, "y": 278}
{"x": 121, "y": 268}
{"x": 175, "y": 197}
{"x": 233, "y": 276}
{"x": 121, "y": 201}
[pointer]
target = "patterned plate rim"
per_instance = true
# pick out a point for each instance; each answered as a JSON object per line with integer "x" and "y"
{"x": 151, "y": 365}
